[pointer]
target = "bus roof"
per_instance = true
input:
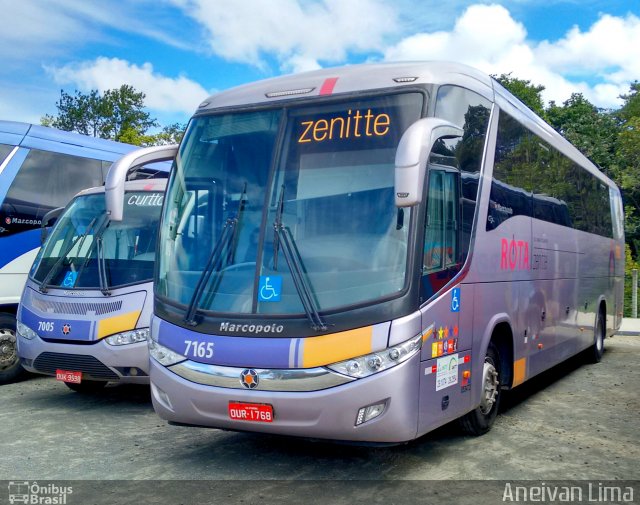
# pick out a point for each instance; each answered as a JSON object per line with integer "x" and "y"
{"x": 370, "y": 77}
{"x": 31, "y": 135}
{"x": 350, "y": 78}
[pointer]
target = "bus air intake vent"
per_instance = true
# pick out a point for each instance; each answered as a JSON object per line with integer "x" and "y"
{"x": 77, "y": 308}
{"x": 49, "y": 362}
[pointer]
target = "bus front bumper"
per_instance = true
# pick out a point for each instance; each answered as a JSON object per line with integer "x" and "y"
{"x": 126, "y": 364}
{"x": 325, "y": 414}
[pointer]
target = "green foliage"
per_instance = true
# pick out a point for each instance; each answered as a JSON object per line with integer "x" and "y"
{"x": 171, "y": 134}
{"x": 117, "y": 114}
{"x": 592, "y": 130}
{"x": 629, "y": 265}
{"x": 631, "y": 107}
{"x": 529, "y": 94}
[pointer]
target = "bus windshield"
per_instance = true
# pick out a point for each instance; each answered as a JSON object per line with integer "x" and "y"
{"x": 317, "y": 178}
{"x": 84, "y": 246}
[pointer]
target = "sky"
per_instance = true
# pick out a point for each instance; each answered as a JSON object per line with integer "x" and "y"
{"x": 180, "y": 51}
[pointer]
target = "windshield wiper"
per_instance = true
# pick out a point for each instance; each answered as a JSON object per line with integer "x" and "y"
{"x": 99, "y": 244}
{"x": 216, "y": 259}
{"x": 44, "y": 285}
{"x": 102, "y": 268}
{"x": 282, "y": 236}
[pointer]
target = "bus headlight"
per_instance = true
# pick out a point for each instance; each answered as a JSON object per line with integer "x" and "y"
{"x": 363, "y": 366}
{"x": 128, "y": 337}
{"x": 25, "y": 332}
{"x": 162, "y": 354}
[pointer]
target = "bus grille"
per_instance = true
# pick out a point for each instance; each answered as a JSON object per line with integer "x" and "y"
{"x": 76, "y": 308}
{"x": 49, "y": 362}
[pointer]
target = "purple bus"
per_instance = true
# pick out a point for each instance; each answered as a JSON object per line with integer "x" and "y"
{"x": 367, "y": 253}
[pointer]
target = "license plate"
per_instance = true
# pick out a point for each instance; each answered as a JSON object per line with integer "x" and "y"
{"x": 67, "y": 376}
{"x": 256, "y": 412}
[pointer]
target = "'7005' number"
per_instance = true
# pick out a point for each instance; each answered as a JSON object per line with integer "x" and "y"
{"x": 45, "y": 326}
{"x": 198, "y": 349}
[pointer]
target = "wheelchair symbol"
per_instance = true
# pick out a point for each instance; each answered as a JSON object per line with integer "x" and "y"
{"x": 69, "y": 279}
{"x": 270, "y": 288}
{"x": 455, "y": 300}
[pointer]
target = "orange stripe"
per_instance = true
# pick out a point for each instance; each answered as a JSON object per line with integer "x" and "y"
{"x": 327, "y": 349}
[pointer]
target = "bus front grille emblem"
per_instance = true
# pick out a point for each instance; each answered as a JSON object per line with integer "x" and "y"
{"x": 249, "y": 378}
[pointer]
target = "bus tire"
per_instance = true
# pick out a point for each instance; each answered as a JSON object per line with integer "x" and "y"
{"x": 10, "y": 367}
{"x": 86, "y": 387}
{"x": 479, "y": 420}
{"x": 596, "y": 350}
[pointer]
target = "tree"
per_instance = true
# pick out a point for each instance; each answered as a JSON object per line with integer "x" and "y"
{"x": 631, "y": 107}
{"x": 592, "y": 130}
{"x": 118, "y": 114}
{"x": 628, "y": 153}
{"x": 171, "y": 134}
{"x": 81, "y": 113}
{"x": 529, "y": 94}
{"x": 124, "y": 108}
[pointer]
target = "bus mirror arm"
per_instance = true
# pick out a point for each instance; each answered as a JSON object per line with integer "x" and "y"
{"x": 114, "y": 184}
{"x": 412, "y": 156}
{"x": 49, "y": 219}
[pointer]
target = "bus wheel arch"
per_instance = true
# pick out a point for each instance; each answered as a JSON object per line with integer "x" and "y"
{"x": 497, "y": 375}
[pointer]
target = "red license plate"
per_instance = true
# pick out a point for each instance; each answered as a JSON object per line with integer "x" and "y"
{"x": 256, "y": 412}
{"x": 67, "y": 376}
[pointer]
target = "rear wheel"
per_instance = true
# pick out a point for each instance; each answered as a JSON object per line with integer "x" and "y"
{"x": 596, "y": 350}
{"x": 10, "y": 367}
{"x": 479, "y": 421}
{"x": 86, "y": 386}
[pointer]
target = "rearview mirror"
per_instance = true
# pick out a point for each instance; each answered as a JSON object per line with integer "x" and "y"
{"x": 412, "y": 155}
{"x": 49, "y": 219}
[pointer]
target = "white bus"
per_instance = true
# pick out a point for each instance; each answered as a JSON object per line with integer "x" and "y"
{"x": 367, "y": 253}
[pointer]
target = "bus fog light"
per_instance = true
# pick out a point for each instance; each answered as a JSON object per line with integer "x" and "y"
{"x": 128, "y": 337}
{"x": 369, "y": 364}
{"x": 162, "y": 397}
{"x": 371, "y": 412}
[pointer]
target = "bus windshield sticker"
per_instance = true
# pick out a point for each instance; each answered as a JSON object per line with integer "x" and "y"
{"x": 455, "y": 300}
{"x": 270, "y": 288}
{"x": 69, "y": 279}
{"x": 447, "y": 372}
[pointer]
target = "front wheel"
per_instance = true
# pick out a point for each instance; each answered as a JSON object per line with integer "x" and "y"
{"x": 479, "y": 421}
{"x": 10, "y": 367}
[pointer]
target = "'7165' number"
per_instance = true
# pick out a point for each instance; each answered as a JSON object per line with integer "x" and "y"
{"x": 198, "y": 349}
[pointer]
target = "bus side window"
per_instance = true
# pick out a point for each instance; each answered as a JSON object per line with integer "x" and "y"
{"x": 442, "y": 257}
{"x": 47, "y": 180}
{"x": 441, "y": 225}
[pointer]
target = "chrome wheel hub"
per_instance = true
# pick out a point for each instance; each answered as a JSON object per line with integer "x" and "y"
{"x": 490, "y": 387}
{"x": 8, "y": 352}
